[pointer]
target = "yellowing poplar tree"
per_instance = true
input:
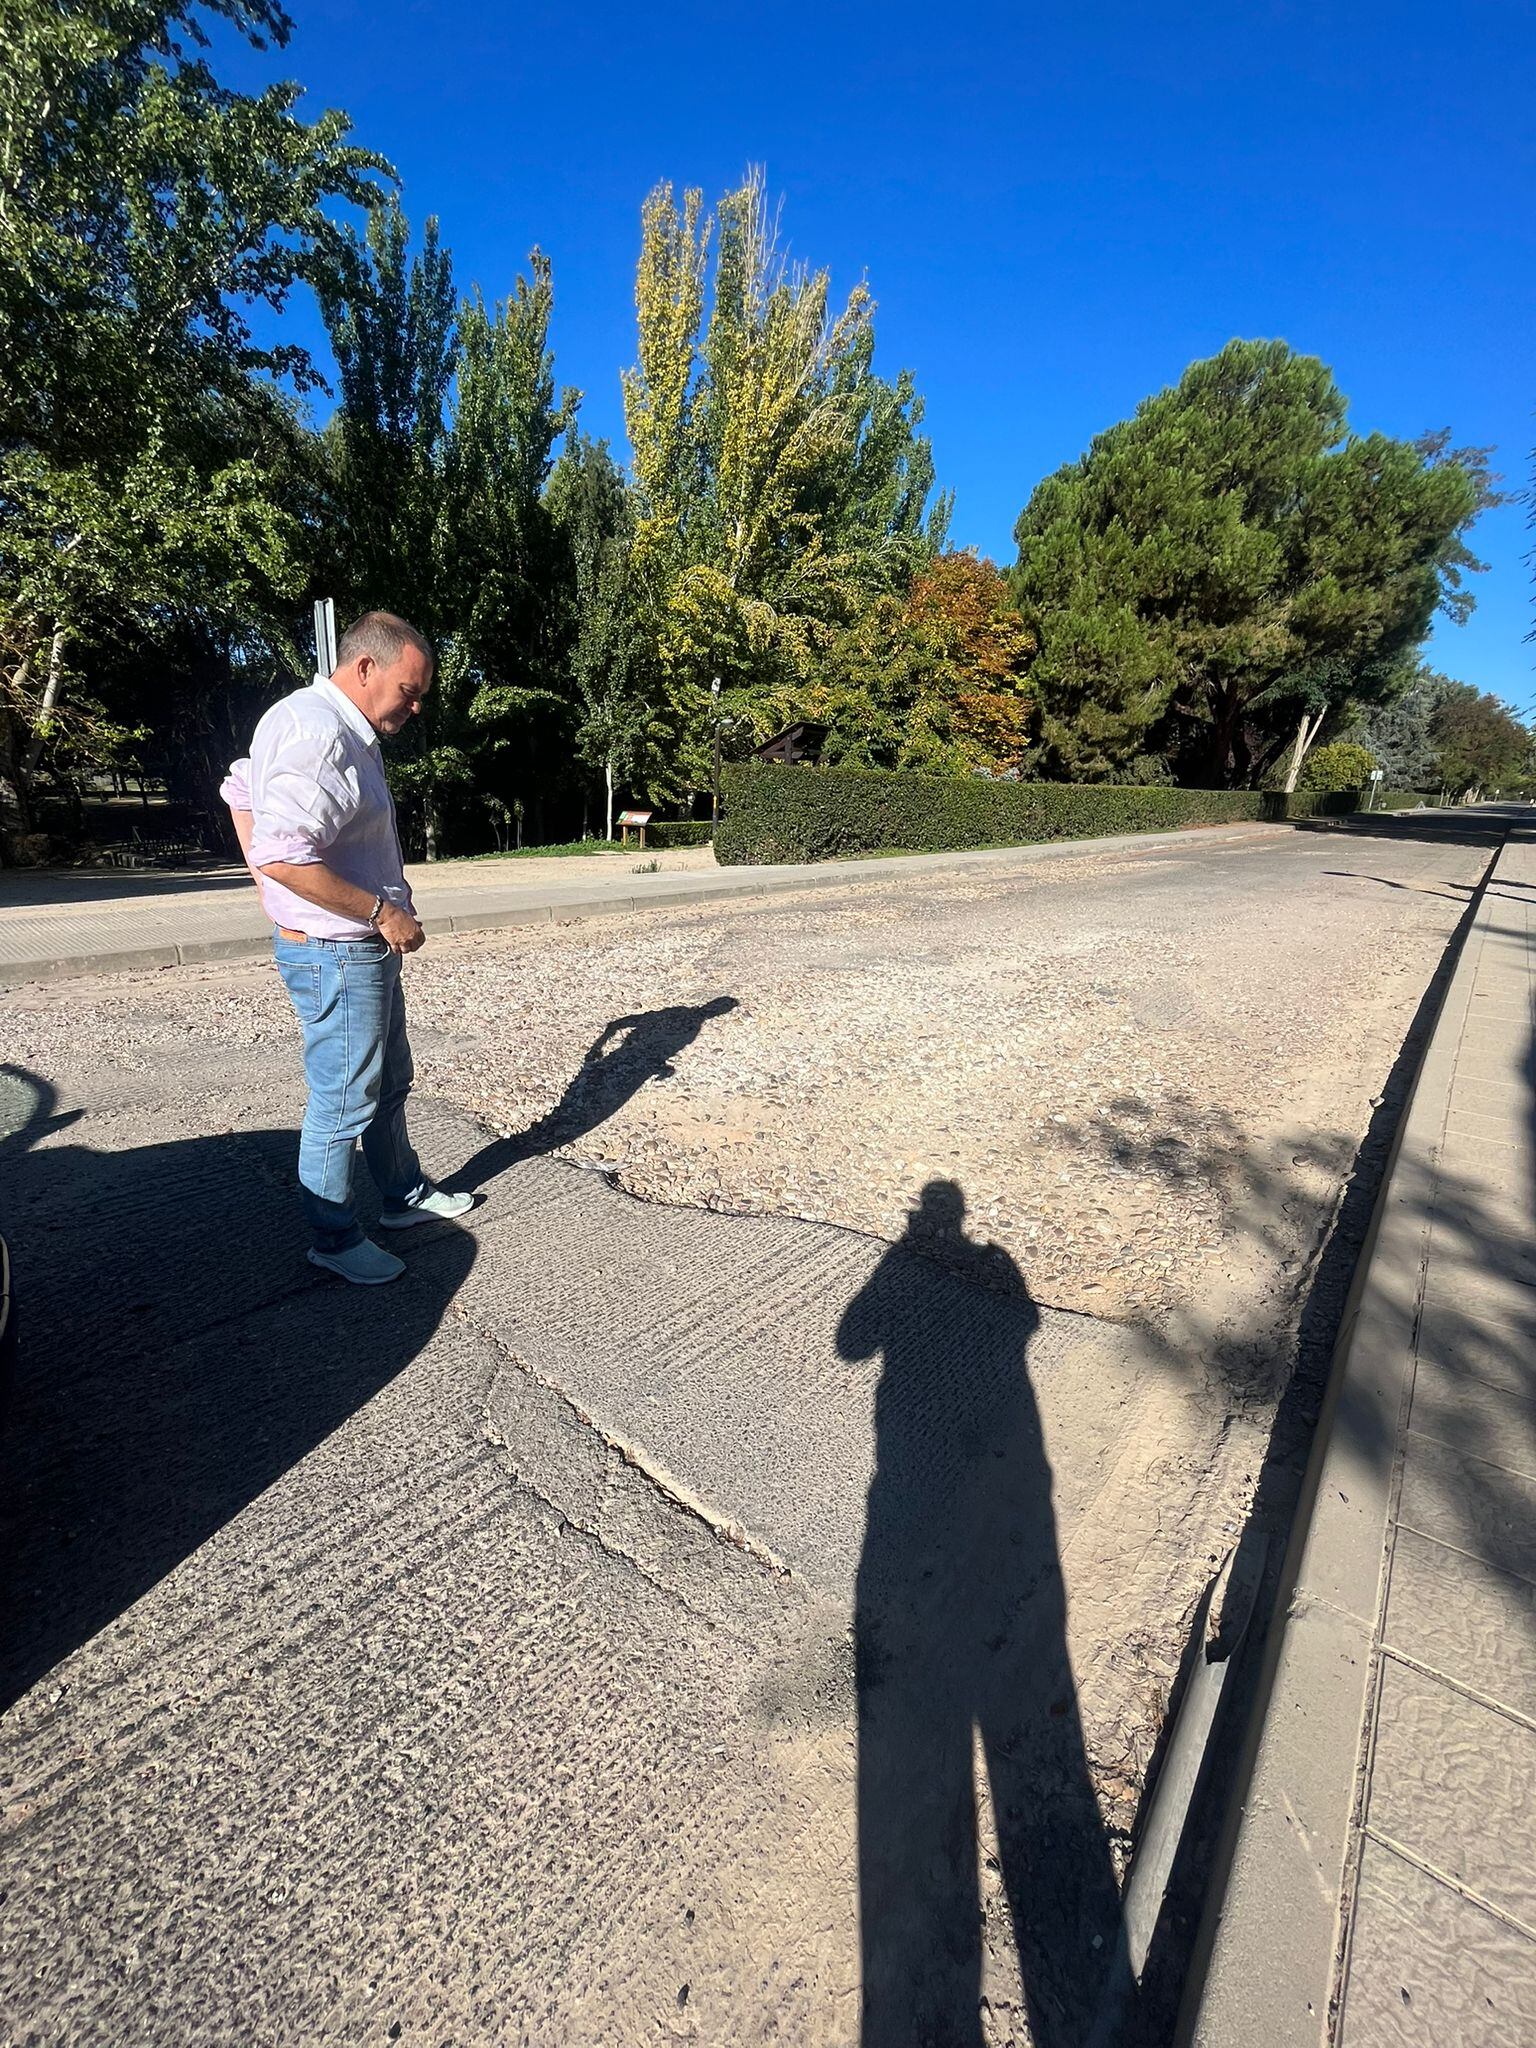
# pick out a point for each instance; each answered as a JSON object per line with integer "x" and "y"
{"x": 782, "y": 485}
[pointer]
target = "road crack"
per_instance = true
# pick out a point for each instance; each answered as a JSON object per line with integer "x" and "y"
{"x": 661, "y": 1484}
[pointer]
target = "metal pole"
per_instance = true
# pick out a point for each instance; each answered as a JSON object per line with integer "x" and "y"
{"x": 714, "y": 809}
{"x": 325, "y": 636}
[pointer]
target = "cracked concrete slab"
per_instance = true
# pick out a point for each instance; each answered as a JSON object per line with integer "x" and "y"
{"x": 713, "y": 1345}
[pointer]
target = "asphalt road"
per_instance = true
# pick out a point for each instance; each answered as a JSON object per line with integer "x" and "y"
{"x": 580, "y": 1640}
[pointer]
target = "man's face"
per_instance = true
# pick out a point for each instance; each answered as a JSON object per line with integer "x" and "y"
{"x": 390, "y": 697}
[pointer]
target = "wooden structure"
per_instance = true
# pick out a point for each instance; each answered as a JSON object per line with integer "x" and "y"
{"x": 802, "y": 741}
{"x": 633, "y": 821}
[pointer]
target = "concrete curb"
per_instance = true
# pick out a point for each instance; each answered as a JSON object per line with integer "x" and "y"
{"x": 1270, "y": 1942}
{"x": 131, "y": 960}
{"x": 692, "y": 888}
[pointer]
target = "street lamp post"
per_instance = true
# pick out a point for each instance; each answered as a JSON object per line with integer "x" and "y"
{"x": 325, "y": 636}
{"x": 714, "y": 809}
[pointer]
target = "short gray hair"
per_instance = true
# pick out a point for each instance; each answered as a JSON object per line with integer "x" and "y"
{"x": 383, "y": 636}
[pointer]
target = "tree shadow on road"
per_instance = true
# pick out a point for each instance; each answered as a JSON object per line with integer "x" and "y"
{"x": 960, "y": 1644}
{"x": 626, "y": 1054}
{"x": 1447, "y": 828}
{"x": 69, "y": 888}
{"x": 1467, "y": 1498}
{"x": 1266, "y": 1189}
{"x": 1449, "y": 890}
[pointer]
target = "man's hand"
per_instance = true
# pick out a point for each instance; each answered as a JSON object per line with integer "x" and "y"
{"x": 314, "y": 881}
{"x": 399, "y": 930}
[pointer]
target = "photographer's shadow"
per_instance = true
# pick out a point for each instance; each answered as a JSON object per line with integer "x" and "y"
{"x": 960, "y": 1642}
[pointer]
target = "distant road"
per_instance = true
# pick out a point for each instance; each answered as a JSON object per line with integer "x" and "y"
{"x": 62, "y": 922}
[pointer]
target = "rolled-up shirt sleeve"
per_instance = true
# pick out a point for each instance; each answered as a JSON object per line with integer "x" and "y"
{"x": 235, "y": 789}
{"x": 303, "y": 796}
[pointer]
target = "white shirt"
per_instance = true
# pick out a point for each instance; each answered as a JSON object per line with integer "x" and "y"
{"x": 317, "y": 792}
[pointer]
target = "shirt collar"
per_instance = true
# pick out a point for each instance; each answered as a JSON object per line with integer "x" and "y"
{"x": 348, "y": 710}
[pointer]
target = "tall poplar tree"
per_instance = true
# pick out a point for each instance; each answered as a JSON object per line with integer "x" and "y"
{"x": 499, "y": 722}
{"x": 781, "y": 485}
{"x": 395, "y": 341}
{"x": 621, "y": 734}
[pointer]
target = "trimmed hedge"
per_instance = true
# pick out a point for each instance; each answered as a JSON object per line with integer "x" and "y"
{"x": 774, "y": 813}
{"x": 680, "y": 832}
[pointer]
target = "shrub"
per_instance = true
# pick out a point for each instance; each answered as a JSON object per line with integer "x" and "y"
{"x": 774, "y": 813}
{"x": 1341, "y": 766}
{"x": 1310, "y": 803}
{"x": 680, "y": 832}
{"x": 1397, "y": 800}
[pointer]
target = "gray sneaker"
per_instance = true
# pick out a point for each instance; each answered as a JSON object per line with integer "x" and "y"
{"x": 365, "y": 1264}
{"x": 435, "y": 1206}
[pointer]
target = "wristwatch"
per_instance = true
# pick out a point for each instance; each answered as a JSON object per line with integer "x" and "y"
{"x": 377, "y": 911}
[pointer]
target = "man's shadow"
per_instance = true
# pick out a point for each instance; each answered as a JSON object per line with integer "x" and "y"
{"x": 960, "y": 1640}
{"x": 625, "y": 1055}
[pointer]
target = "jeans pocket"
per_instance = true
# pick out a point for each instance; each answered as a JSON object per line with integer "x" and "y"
{"x": 301, "y": 978}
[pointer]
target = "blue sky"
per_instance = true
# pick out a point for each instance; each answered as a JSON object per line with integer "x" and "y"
{"x": 1056, "y": 208}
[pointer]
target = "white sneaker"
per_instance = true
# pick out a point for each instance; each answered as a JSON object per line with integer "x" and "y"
{"x": 365, "y": 1264}
{"x": 436, "y": 1205}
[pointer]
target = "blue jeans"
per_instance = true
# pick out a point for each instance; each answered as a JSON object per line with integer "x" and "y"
{"x": 346, "y": 994}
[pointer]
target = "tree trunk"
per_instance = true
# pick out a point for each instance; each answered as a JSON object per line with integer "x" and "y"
{"x": 15, "y": 807}
{"x": 51, "y": 691}
{"x": 1223, "y": 721}
{"x": 608, "y": 780}
{"x": 429, "y": 826}
{"x": 1306, "y": 733}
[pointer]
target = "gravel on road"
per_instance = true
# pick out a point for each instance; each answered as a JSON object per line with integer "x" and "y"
{"x": 1117, "y": 1059}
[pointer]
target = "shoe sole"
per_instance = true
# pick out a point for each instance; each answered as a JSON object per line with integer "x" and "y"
{"x": 355, "y": 1279}
{"x": 417, "y": 1216}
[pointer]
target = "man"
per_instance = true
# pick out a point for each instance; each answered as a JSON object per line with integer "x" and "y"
{"x": 326, "y": 853}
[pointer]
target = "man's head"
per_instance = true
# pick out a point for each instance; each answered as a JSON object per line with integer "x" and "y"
{"x": 385, "y": 667}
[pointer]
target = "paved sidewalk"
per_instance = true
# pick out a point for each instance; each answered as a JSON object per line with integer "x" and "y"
{"x": 54, "y": 925}
{"x": 1383, "y": 1883}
